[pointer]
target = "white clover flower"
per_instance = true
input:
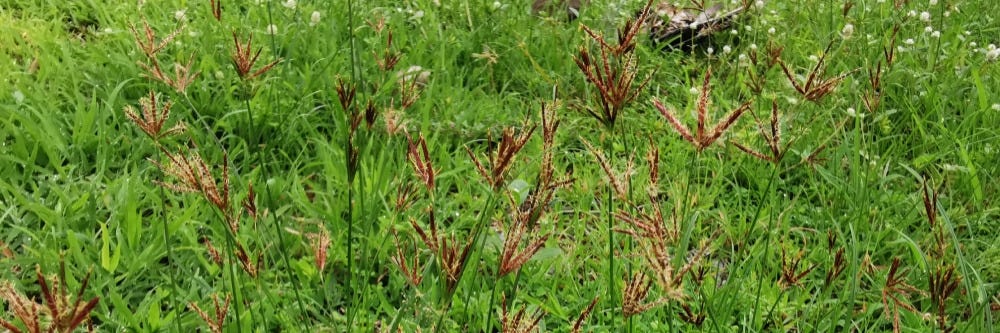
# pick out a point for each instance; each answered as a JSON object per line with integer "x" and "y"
{"x": 992, "y": 53}
{"x": 693, "y": 91}
{"x": 753, "y": 46}
{"x": 19, "y": 96}
{"x": 727, "y": 49}
{"x": 272, "y": 29}
{"x": 925, "y": 16}
{"x": 852, "y": 112}
{"x": 314, "y": 18}
{"x": 933, "y": 2}
{"x": 771, "y": 31}
{"x": 847, "y": 31}
{"x": 973, "y": 45}
{"x": 710, "y": 50}
{"x": 180, "y": 15}
{"x": 743, "y": 57}
{"x": 733, "y": 32}
{"x": 909, "y": 41}
{"x": 928, "y": 28}
{"x": 290, "y": 4}
{"x": 995, "y": 106}
{"x": 936, "y": 34}
{"x": 759, "y": 3}
{"x": 911, "y": 13}
{"x": 814, "y": 58}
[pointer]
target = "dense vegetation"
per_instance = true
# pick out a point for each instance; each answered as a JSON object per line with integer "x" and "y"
{"x": 451, "y": 166}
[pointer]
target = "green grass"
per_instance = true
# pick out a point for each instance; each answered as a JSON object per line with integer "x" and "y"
{"x": 79, "y": 192}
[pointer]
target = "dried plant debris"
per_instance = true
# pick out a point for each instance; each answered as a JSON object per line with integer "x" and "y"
{"x": 671, "y": 27}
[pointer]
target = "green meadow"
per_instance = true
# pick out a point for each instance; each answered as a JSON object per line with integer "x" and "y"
{"x": 483, "y": 166}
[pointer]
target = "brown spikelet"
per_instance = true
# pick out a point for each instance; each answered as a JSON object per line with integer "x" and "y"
{"x": 193, "y": 175}
{"x": 217, "y": 322}
{"x": 61, "y": 312}
{"x": 614, "y": 71}
{"x": 618, "y": 183}
{"x": 578, "y": 325}
{"x": 511, "y": 258}
{"x": 519, "y": 322}
{"x": 147, "y": 39}
{"x": 320, "y": 244}
{"x": 413, "y": 272}
{"x": 771, "y": 135}
{"x": 703, "y": 137}
{"x": 420, "y": 160}
{"x": 896, "y": 293}
{"x": 153, "y": 117}
{"x": 216, "y": 9}
{"x": 213, "y": 253}
{"x": 815, "y": 88}
{"x": 942, "y": 285}
{"x": 635, "y": 293}
{"x": 244, "y": 59}
{"x": 503, "y": 158}
{"x": 790, "y": 275}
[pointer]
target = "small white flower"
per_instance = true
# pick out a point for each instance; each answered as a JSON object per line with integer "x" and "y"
{"x": 911, "y": 13}
{"x": 747, "y": 28}
{"x": 19, "y": 96}
{"x": 314, "y": 19}
{"x": 290, "y": 4}
{"x": 753, "y": 46}
{"x": 936, "y": 34}
{"x": 743, "y": 57}
{"x": 925, "y": 16}
{"x": 727, "y": 49}
{"x": 995, "y": 107}
{"x": 992, "y": 54}
{"x": 693, "y": 90}
{"x": 814, "y": 58}
{"x": 497, "y": 5}
{"x": 852, "y": 112}
{"x": 417, "y": 15}
{"x": 928, "y": 28}
{"x": 947, "y": 13}
{"x": 909, "y": 41}
{"x": 733, "y": 32}
{"x": 973, "y": 44}
{"x": 771, "y": 31}
{"x": 710, "y": 50}
{"x": 180, "y": 15}
{"x": 272, "y": 29}
{"x": 933, "y": 2}
{"x": 759, "y": 3}
{"x": 847, "y": 31}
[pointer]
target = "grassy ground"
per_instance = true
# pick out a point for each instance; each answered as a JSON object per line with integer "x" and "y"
{"x": 318, "y": 187}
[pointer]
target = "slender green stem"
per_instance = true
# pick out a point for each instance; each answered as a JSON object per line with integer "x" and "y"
{"x": 473, "y": 257}
{"x": 166, "y": 243}
{"x": 610, "y": 214}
